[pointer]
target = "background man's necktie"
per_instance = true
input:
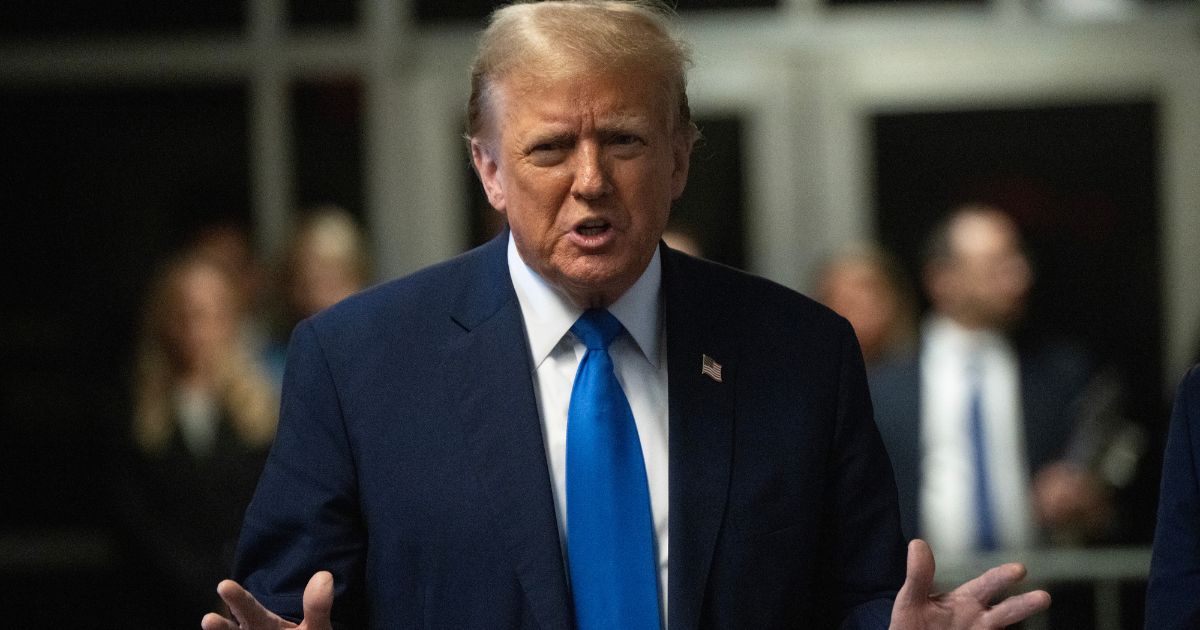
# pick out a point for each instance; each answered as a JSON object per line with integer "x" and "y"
{"x": 984, "y": 517}
{"x": 610, "y": 533}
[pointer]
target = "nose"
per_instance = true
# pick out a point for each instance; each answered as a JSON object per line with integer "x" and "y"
{"x": 591, "y": 179}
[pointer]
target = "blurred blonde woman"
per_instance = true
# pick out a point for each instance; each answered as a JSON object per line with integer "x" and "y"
{"x": 204, "y": 415}
{"x": 324, "y": 262}
{"x": 193, "y": 379}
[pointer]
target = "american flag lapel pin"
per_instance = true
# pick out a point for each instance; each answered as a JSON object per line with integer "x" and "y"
{"x": 710, "y": 368}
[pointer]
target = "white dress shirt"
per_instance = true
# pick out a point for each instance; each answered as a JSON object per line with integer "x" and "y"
{"x": 640, "y": 361}
{"x": 948, "y": 518}
{"x": 199, "y": 416}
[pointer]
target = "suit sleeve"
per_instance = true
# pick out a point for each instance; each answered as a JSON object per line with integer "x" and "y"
{"x": 304, "y": 516}
{"x": 1173, "y": 594}
{"x": 866, "y": 550}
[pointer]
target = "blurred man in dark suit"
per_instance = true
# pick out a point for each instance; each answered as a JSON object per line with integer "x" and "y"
{"x": 977, "y": 422}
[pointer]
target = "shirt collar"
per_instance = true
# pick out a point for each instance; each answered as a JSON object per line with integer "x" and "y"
{"x": 947, "y": 335}
{"x": 548, "y": 314}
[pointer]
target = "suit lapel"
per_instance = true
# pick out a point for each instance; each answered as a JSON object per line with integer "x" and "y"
{"x": 489, "y": 366}
{"x": 701, "y": 438}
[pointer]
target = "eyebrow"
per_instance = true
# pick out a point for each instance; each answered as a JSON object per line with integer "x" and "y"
{"x": 559, "y": 137}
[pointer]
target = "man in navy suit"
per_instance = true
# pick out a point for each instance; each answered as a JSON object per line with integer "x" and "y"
{"x": 1173, "y": 595}
{"x": 419, "y": 477}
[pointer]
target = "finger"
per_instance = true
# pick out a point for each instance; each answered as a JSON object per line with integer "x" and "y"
{"x": 318, "y": 600}
{"x": 1016, "y": 609}
{"x": 248, "y": 612}
{"x": 918, "y": 578}
{"x": 993, "y": 582}
{"x": 213, "y": 621}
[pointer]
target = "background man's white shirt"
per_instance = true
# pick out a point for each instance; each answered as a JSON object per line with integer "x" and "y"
{"x": 948, "y": 508}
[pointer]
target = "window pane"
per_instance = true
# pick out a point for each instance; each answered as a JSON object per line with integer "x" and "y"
{"x": 31, "y": 18}
{"x": 322, "y": 12}
{"x": 710, "y": 210}
{"x": 328, "y": 132}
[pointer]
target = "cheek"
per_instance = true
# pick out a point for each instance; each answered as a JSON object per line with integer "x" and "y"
{"x": 536, "y": 200}
{"x": 654, "y": 219}
{"x": 649, "y": 197}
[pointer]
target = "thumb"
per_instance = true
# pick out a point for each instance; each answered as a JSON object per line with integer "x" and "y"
{"x": 318, "y": 601}
{"x": 918, "y": 579}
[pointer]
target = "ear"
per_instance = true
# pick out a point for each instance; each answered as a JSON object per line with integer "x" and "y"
{"x": 487, "y": 168}
{"x": 682, "y": 152}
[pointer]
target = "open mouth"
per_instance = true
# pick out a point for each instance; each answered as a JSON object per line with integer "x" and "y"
{"x": 592, "y": 228}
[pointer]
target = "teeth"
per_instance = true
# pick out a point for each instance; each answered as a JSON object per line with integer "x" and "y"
{"x": 590, "y": 228}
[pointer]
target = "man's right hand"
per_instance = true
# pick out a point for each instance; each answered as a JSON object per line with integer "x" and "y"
{"x": 248, "y": 614}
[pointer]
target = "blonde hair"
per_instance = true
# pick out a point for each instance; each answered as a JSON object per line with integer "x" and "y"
{"x": 331, "y": 232}
{"x": 242, "y": 388}
{"x": 558, "y": 38}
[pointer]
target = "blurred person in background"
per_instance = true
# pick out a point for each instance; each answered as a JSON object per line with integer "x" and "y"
{"x": 228, "y": 245}
{"x": 984, "y": 427}
{"x": 324, "y": 262}
{"x": 1173, "y": 594}
{"x": 204, "y": 415}
{"x": 864, "y": 284}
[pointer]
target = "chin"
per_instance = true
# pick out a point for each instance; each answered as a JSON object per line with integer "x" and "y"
{"x": 594, "y": 288}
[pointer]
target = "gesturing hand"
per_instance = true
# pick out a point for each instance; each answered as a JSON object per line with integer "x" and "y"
{"x": 966, "y": 607}
{"x": 248, "y": 614}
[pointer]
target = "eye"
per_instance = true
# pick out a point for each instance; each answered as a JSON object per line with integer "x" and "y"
{"x": 625, "y": 145}
{"x": 548, "y": 152}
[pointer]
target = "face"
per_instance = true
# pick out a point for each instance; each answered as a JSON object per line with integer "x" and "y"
{"x": 320, "y": 280}
{"x": 987, "y": 284}
{"x": 585, "y": 169}
{"x": 861, "y": 292}
{"x": 202, "y": 323}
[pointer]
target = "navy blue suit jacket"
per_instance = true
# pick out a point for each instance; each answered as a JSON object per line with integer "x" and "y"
{"x": 1053, "y": 378}
{"x": 1173, "y": 595}
{"x": 409, "y": 461}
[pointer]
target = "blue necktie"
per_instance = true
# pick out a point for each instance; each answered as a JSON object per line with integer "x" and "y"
{"x": 985, "y": 519}
{"x": 610, "y": 535}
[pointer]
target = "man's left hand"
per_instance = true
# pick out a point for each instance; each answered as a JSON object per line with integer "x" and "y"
{"x": 967, "y": 607}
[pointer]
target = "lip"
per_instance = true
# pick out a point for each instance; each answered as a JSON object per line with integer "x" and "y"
{"x": 592, "y": 239}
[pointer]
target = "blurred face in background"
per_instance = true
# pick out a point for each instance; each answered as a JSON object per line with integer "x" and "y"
{"x": 229, "y": 248}
{"x": 585, "y": 167}
{"x": 320, "y": 279}
{"x": 201, "y": 317}
{"x": 860, "y": 291}
{"x": 986, "y": 281}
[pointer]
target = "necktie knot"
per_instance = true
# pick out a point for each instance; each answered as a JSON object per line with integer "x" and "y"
{"x": 596, "y": 328}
